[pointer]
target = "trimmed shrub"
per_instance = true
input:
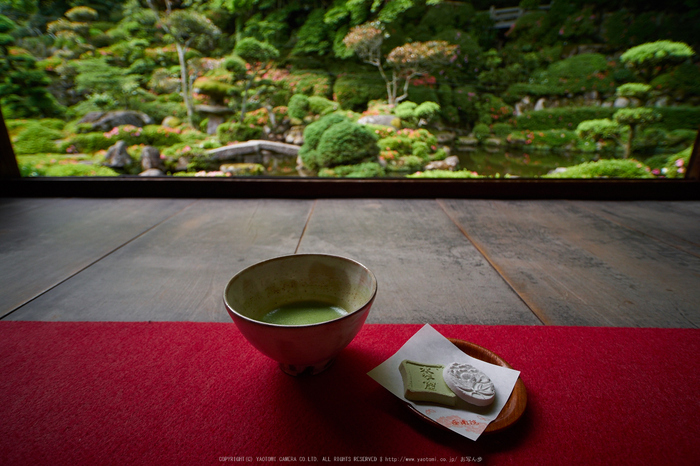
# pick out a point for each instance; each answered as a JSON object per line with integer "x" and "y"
{"x": 298, "y": 106}
{"x": 360, "y": 170}
{"x": 319, "y": 105}
{"x": 627, "y": 168}
{"x": 569, "y": 118}
{"x": 346, "y": 143}
{"x": 502, "y": 129}
{"x": 676, "y": 164}
{"x": 481, "y": 131}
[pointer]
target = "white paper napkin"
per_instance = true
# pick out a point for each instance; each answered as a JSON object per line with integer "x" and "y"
{"x": 430, "y": 347}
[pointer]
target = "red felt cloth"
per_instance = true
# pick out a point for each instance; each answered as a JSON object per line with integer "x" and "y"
{"x": 192, "y": 393}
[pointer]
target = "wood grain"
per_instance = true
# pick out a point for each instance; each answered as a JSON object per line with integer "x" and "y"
{"x": 178, "y": 270}
{"x": 574, "y": 267}
{"x": 45, "y": 241}
{"x": 427, "y": 271}
{"x": 675, "y": 223}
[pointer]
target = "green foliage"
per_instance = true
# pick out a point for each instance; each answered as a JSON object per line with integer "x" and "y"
{"x": 354, "y": 91}
{"x": 599, "y": 129}
{"x": 313, "y": 132}
{"x": 681, "y": 117}
{"x": 481, "y": 131}
{"x": 648, "y": 59}
{"x": 427, "y": 111}
{"x": 360, "y": 170}
{"x": 309, "y": 83}
{"x": 573, "y": 75}
{"x": 314, "y": 36}
{"x": 237, "y": 132}
{"x": 627, "y": 168}
{"x": 676, "y": 164}
{"x": 636, "y": 116}
{"x": 682, "y": 81}
{"x": 346, "y": 143}
{"x": 298, "y": 106}
{"x": 634, "y": 90}
{"x": 568, "y": 117}
{"x": 36, "y": 138}
{"x": 502, "y": 129}
{"x": 253, "y": 50}
{"x": 235, "y": 65}
{"x": 56, "y": 165}
{"x": 216, "y": 89}
{"x": 81, "y": 13}
{"x": 319, "y": 105}
{"x": 492, "y": 109}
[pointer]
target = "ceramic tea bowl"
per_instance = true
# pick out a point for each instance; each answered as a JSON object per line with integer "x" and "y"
{"x": 278, "y": 283}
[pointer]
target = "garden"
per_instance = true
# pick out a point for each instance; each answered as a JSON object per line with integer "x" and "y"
{"x": 350, "y": 88}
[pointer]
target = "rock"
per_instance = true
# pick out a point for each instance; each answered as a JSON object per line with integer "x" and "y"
{"x": 295, "y": 136}
{"x": 621, "y": 102}
{"x": 662, "y": 102}
{"x": 152, "y": 172}
{"x": 445, "y": 137}
{"x": 493, "y": 142}
{"x": 450, "y": 163}
{"x": 105, "y": 121}
{"x": 467, "y": 141}
{"x": 150, "y": 158}
{"x": 171, "y": 122}
{"x": 540, "y": 104}
{"x": 243, "y": 169}
{"x": 117, "y": 156}
{"x": 381, "y": 120}
{"x": 213, "y": 122}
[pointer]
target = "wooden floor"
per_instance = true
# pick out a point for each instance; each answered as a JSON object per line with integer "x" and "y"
{"x": 632, "y": 264}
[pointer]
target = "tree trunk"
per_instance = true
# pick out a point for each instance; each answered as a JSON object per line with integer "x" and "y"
{"x": 186, "y": 96}
{"x": 628, "y": 145}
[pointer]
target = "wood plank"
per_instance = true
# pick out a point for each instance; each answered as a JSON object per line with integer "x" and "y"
{"x": 45, "y": 241}
{"x": 576, "y": 268}
{"x": 675, "y": 223}
{"x": 178, "y": 270}
{"x": 427, "y": 271}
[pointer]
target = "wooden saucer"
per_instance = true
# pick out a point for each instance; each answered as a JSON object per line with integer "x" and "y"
{"x": 514, "y": 407}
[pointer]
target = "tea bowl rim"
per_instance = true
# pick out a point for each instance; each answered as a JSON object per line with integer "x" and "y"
{"x": 369, "y": 301}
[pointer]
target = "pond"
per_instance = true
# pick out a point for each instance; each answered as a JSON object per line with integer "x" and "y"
{"x": 487, "y": 162}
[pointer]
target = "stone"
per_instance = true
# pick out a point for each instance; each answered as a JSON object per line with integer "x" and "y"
{"x": 381, "y": 120}
{"x": 449, "y": 163}
{"x": 662, "y": 102}
{"x": 539, "y": 105}
{"x": 295, "y": 136}
{"x": 105, "y": 121}
{"x": 152, "y": 172}
{"x": 171, "y": 122}
{"x": 445, "y": 137}
{"x": 117, "y": 156}
{"x": 493, "y": 142}
{"x": 243, "y": 169}
{"x": 467, "y": 141}
{"x": 621, "y": 102}
{"x": 150, "y": 158}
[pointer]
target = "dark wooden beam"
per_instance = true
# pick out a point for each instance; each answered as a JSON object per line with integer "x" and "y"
{"x": 8, "y": 161}
{"x": 313, "y": 188}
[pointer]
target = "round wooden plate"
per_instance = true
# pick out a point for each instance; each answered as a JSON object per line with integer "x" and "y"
{"x": 514, "y": 407}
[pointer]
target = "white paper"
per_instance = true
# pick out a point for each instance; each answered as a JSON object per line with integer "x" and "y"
{"x": 430, "y": 347}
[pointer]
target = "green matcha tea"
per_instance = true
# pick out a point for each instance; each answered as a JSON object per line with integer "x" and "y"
{"x": 303, "y": 313}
